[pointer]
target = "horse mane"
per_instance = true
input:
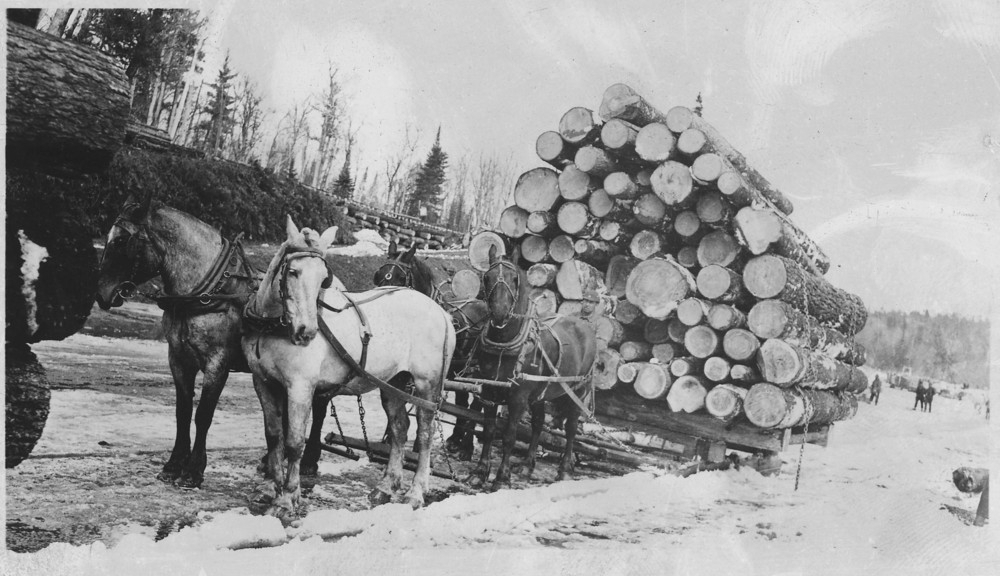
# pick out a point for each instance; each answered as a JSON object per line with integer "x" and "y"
{"x": 423, "y": 276}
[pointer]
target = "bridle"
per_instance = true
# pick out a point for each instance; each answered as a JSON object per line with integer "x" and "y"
{"x": 136, "y": 244}
{"x": 514, "y": 291}
{"x": 282, "y": 321}
{"x": 385, "y": 273}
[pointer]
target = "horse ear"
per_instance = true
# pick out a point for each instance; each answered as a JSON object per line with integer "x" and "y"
{"x": 290, "y": 228}
{"x": 327, "y": 238}
{"x": 410, "y": 253}
{"x": 393, "y": 249}
{"x": 493, "y": 254}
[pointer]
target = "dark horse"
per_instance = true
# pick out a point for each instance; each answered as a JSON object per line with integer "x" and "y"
{"x": 468, "y": 317}
{"x": 207, "y": 280}
{"x": 547, "y": 358}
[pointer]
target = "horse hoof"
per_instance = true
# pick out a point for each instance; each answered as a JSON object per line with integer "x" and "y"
{"x": 309, "y": 470}
{"x": 189, "y": 480}
{"x": 168, "y": 476}
{"x": 377, "y": 497}
{"x": 465, "y": 456}
{"x": 415, "y": 503}
{"x": 262, "y": 495}
{"x": 281, "y": 513}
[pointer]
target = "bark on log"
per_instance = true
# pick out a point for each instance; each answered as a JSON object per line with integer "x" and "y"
{"x": 688, "y": 257}
{"x": 650, "y": 211}
{"x": 562, "y": 248}
{"x": 622, "y": 186}
{"x": 537, "y": 189}
{"x": 542, "y": 275}
{"x": 970, "y": 480}
{"x": 551, "y": 148}
{"x": 712, "y": 208}
{"x": 718, "y": 248}
{"x": 744, "y": 374}
{"x": 693, "y": 311}
{"x": 777, "y": 319}
{"x": 657, "y": 285}
{"x": 627, "y": 371}
{"x": 67, "y": 104}
{"x": 619, "y": 268}
{"x": 691, "y": 142}
{"x": 609, "y": 330}
{"x": 542, "y": 223}
{"x": 635, "y": 350}
{"x": 651, "y": 381}
{"x": 575, "y": 184}
{"x": 725, "y": 317}
{"x": 466, "y": 285}
{"x": 687, "y": 394}
{"x": 770, "y": 406}
{"x": 578, "y": 126}
{"x": 686, "y": 365}
{"x": 665, "y": 352}
{"x": 720, "y": 284}
{"x": 655, "y": 143}
{"x": 707, "y": 168}
{"x": 785, "y": 365}
{"x": 479, "y": 249}
{"x": 595, "y": 161}
{"x": 681, "y": 118}
{"x": 574, "y": 218}
{"x": 514, "y": 222}
{"x": 535, "y": 249}
{"x": 544, "y": 301}
{"x": 618, "y": 136}
{"x": 725, "y": 401}
{"x": 656, "y": 331}
{"x": 771, "y": 276}
{"x": 580, "y": 281}
{"x": 606, "y": 368}
{"x": 764, "y": 230}
{"x": 646, "y": 244}
{"x": 672, "y": 182}
{"x": 740, "y": 345}
{"x": 622, "y": 102}
{"x": 716, "y": 369}
{"x": 701, "y": 341}
{"x": 628, "y": 313}
{"x": 595, "y": 252}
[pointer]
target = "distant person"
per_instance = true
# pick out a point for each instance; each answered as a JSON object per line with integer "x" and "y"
{"x": 920, "y": 396}
{"x": 929, "y": 396}
{"x": 876, "y": 390}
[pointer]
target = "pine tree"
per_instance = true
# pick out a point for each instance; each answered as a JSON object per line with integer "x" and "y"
{"x": 220, "y": 110}
{"x": 344, "y": 186}
{"x": 699, "y": 106}
{"x": 427, "y": 191}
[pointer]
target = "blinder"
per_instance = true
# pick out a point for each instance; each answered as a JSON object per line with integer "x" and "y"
{"x": 501, "y": 281}
{"x": 385, "y": 273}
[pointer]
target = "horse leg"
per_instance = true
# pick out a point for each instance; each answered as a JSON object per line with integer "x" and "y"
{"x": 572, "y": 418}
{"x": 537, "y": 423}
{"x": 213, "y": 381}
{"x": 299, "y": 406}
{"x": 399, "y": 424}
{"x": 469, "y": 432}
{"x": 271, "y": 405}
{"x": 482, "y": 470}
{"x": 425, "y": 428}
{"x": 515, "y": 411}
{"x": 456, "y": 440}
{"x": 310, "y": 457}
{"x": 184, "y": 372}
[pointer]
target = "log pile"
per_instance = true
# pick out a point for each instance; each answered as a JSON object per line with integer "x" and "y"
{"x": 708, "y": 299}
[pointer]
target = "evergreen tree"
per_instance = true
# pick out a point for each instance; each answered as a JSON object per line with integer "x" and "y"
{"x": 220, "y": 110}
{"x": 427, "y": 191}
{"x": 699, "y": 106}
{"x": 344, "y": 186}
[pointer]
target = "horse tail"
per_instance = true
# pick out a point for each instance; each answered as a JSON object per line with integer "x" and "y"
{"x": 449, "y": 334}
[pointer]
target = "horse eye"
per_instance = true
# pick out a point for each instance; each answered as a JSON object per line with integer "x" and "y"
{"x": 293, "y": 272}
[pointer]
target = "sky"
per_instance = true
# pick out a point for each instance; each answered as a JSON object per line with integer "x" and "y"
{"x": 880, "y": 119}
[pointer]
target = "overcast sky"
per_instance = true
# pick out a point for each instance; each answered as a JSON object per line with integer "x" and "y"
{"x": 879, "y": 119}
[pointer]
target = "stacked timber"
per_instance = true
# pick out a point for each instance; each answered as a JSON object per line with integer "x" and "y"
{"x": 706, "y": 297}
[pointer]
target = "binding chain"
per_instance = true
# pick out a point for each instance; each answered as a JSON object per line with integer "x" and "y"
{"x": 364, "y": 429}
{"x": 444, "y": 449}
{"x": 340, "y": 430}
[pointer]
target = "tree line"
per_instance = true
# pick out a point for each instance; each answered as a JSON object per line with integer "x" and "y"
{"x": 945, "y": 347}
{"x": 224, "y": 115}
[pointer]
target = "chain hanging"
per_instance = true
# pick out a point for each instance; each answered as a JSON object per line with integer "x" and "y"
{"x": 444, "y": 449}
{"x": 364, "y": 429}
{"x": 340, "y": 430}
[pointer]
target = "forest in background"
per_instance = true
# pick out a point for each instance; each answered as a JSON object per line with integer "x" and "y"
{"x": 950, "y": 348}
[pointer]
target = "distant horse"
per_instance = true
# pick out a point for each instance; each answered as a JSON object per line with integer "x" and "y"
{"x": 548, "y": 358}
{"x": 206, "y": 282}
{"x": 412, "y": 342}
{"x": 468, "y": 316}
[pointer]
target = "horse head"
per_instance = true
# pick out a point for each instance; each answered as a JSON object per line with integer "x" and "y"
{"x": 129, "y": 257}
{"x": 399, "y": 270}
{"x": 297, "y": 275}
{"x": 502, "y": 284}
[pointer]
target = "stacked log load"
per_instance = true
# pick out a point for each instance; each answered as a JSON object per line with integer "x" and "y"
{"x": 706, "y": 296}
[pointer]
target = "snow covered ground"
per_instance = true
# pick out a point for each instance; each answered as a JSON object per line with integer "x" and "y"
{"x": 878, "y": 500}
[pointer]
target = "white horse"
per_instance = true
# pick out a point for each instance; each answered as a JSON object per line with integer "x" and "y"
{"x": 411, "y": 340}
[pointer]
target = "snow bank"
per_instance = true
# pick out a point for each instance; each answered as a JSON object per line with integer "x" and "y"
{"x": 369, "y": 243}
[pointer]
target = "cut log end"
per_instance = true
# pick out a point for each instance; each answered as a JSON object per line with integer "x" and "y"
{"x": 679, "y": 119}
{"x": 537, "y": 189}
{"x": 717, "y": 248}
{"x": 780, "y": 363}
{"x": 577, "y": 124}
{"x": 657, "y": 285}
{"x": 651, "y": 382}
{"x": 672, "y": 182}
{"x": 719, "y": 283}
{"x": 766, "y": 405}
{"x": 479, "y": 249}
{"x": 655, "y": 142}
{"x": 740, "y": 345}
{"x": 514, "y": 221}
{"x": 707, "y": 168}
{"x": 574, "y": 183}
{"x": 687, "y": 394}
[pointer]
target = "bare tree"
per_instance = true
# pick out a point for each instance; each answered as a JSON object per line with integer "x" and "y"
{"x": 395, "y": 189}
{"x": 492, "y": 186}
{"x": 289, "y": 146}
{"x": 249, "y": 118}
